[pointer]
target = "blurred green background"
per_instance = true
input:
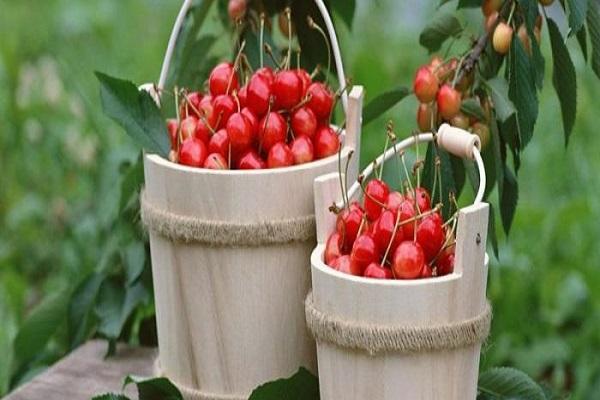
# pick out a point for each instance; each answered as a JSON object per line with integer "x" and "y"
{"x": 60, "y": 157}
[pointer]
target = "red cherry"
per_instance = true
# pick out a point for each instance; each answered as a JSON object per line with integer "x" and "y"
{"x": 408, "y": 260}
{"x": 188, "y": 127}
{"x": 259, "y": 94}
{"x": 304, "y": 122}
{"x": 425, "y": 85}
{"x": 219, "y": 143}
{"x": 236, "y": 9}
{"x": 376, "y": 271}
{"x": 251, "y": 160}
{"x": 280, "y": 155}
{"x": 321, "y": 100}
{"x": 445, "y": 263}
{"x": 222, "y": 78}
{"x": 383, "y": 230}
{"x": 172, "y": 128}
{"x": 224, "y": 105}
{"x": 427, "y": 271}
{"x": 394, "y": 200}
{"x": 192, "y": 152}
{"x": 348, "y": 224}
{"x": 430, "y": 235}
{"x": 326, "y": 142}
{"x": 423, "y": 199}
{"x": 207, "y": 110}
{"x": 252, "y": 119}
{"x": 304, "y": 78}
{"x": 407, "y": 211}
{"x": 346, "y": 265}
{"x": 243, "y": 96}
{"x": 448, "y": 101}
{"x": 364, "y": 250}
{"x": 203, "y": 132}
{"x": 287, "y": 89}
{"x": 239, "y": 130}
{"x": 376, "y": 194}
{"x": 267, "y": 74}
{"x": 190, "y": 104}
{"x": 333, "y": 248}
{"x": 302, "y": 149}
{"x": 215, "y": 161}
{"x": 424, "y": 113}
{"x": 271, "y": 129}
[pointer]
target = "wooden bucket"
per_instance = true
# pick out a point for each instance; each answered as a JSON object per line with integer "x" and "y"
{"x": 402, "y": 339}
{"x": 230, "y": 259}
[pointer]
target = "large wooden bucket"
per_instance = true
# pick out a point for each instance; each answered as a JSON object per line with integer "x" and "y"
{"x": 402, "y": 339}
{"x": 230, "y": 259}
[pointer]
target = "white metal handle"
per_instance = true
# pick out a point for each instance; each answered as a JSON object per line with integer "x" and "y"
{"x": 335, "y": 46}
{"x": 454, "y": 140}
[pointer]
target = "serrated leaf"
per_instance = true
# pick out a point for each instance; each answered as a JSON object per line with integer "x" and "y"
{"x": 136, "y": 112}
{"x": 530, "y": 11}
{"x": 154, "y": 388}
{"x": 472, "y": 108}
{"x": 469, "y": 3}
{"x": 81, "y": 307}
{"x": 440, "y": 28}
{"x": 564, "y": 79}
{"x": 582, "y": 40}
{"x": 499, "y": 92}
{"x": 522, "y": 90}
{"x": 301, "y": 386}
{"x": 383, "y": 103}
{"x": 593, "y": 23}
{"x": 111, "y": 396}
{"x": 447, "y": 178}
{"x": 39, "y": 326}
{"x": 345, "y": 9}
{"x": 508, "y": 384}
{"x": 577, "y": 12}
{"x": 509, "y": 199}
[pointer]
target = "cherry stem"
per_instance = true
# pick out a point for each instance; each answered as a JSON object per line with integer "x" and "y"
{"x": 201, "y": 114}
{"x": 236, "y": 64}
{"x": 342, "y": 188}
{"x": 315, "y": 71}
{"x": 418, "y": 175}
{"x": 512, "y": 11}
{"x": 337, "y": 97}
{"x": 262, "y": 36}
{"x": 269, "y": 52}
{"x": 265, "y": 126}
{"x": 456, "y": 73}
{"x": 447, "y": 242}
{"x": 406, "y": 171}
{"x": 438, "y": 167}
{"x": 312, "y": 24}
{"x": 237, "y": 101}
{"x": 350, "y": 154}
{"x": 298, "y": 59}
{"x": 305, "y": 100}
{"x": 362, "y": 187}
{"x": 385, "y": 147}
{"x": 288, "y": 15}
{"x": 178, "y": 134}
{"x": 394, "y": 231}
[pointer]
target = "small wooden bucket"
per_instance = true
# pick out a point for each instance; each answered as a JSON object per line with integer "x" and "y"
{"x": 230, "y": 259}
{"x": 402, "y": 339}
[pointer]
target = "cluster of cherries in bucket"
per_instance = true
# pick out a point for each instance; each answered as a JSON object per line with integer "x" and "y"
{"x": 392, "y": 235}
{"x": 277, "y": 119}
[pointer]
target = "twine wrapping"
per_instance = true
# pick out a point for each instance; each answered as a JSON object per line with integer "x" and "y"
{"x": 188, "y": 229}
{"x": 194, "y": 394}
{"x": 375, "y": 338}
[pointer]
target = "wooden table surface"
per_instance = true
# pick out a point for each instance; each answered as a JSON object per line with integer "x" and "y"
{"x": 85, "y": 373}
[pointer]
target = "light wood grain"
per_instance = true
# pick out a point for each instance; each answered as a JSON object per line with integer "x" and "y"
{"x": 232, "y": 318}
{"x": 85, "y": 373}
{"x": 355, "y": 375}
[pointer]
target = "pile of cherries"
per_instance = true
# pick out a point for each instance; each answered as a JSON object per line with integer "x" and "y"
{"x": 392, "y": 235}
{"x": 276, "y": 119}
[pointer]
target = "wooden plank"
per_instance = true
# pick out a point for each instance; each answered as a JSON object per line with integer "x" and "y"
{"x": 85, "y": 373}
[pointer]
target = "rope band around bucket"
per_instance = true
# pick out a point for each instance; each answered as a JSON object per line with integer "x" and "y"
{"x": 189, "y": 229}
{"x": 375, "y": 338}
{"x": 194, "y": 394}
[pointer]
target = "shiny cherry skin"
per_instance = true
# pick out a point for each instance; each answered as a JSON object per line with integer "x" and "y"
{"x": 192, "y": 152}
{"x": 346, "y": 265}
{"x": 423, "y": 199}
{"x": 448, "y": 101}
{"x": 219, "y": 143}
{"x": 394, "y": 200}
{"x": 424, "y": 114}
{"x": 445, "y": 263}
{"x": 348, "y": 224}
{"x": 287, "y": 89}
{"x": 427, "y": 271}
{"x": 304, "y": 122}
{"x": 239, "y": 130}
{"x": 321, "y": 100}
{"x": 190, "y": 104}
{"x": 267, "y": 74}
{"x": 302, "y": 150}
{"x": 259, "y": 95}
{"x": 215, "y": 161}
{"x": 407, "y": 211}
{"x": 242, "y": 96}
{"x": 326, "y": 142}
{"x": 430, "y": 235}
{"x": 408, "y": 260}
{"x": 271, "y": 129}
{"x": 333, "y": 248}
{"x": 280, "y": 156}
{"x": 236, "y": 9}
{"x": 224, "y": 105}
{"x": 376, "y": 271}
{"x": 188, "y": 127}
{"x": 251, "y": 117}
{"x": 376, "y": 195}
{"x": 304, "y": 78}
{"x": 383, "y": 231}
{"x": 251, "y": 160}
{"x": 172, "y": 128}
{"x": 425, "y": 85}
{"x": 222, "y": 78}
{"x": 364, "y": 251}
{"x": 208, "y": 114}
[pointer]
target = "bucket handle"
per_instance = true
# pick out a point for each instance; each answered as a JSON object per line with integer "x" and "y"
{"x": 335, "y": 46}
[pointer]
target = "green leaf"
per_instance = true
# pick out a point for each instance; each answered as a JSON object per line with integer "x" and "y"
{"x": 497, "y": 149}
{"x": 508, "y": 201}
{"x": 593, "y": 23}
{"x": 111, "y": 396}
{"x": 564, "y": 79}
{"x": 447, "y": 177}
{"x": 383, "y": 103}
{"x": 522, "y": 90}
{"x": 134, "y": 260}
{"x": 499, "y": 92}
{"x": 440, "y": 28}
{"x": 136, "y": 112}
{"x": 154, "y": 388}
{"x": 577, "y": 12}
{"x": 508, "y": 384}
{"x": 345, "y": 9}
{"x": 81, "y": 307}
{"x": 301, "y": 386}
{"x": 116, "y": 305}
{"x": 530, "y": 10}
{"x": 469, "y": 3}
{"x": 39, "y": 326}
{"x": 442, "y": 2}
{"x": 582, "y": 39}
{"x": 493, "y": 237}
{"x": 472, "y": 108}
{"x": 131, "y": 182}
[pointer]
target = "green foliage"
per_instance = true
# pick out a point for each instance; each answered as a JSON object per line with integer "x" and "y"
{"x": 301, "y": 386}
{"x": 508, "y": 383}
{"x": 438, "y": 30}
{"x": 383, "y": 103}
{"x": 154, "y": 388}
